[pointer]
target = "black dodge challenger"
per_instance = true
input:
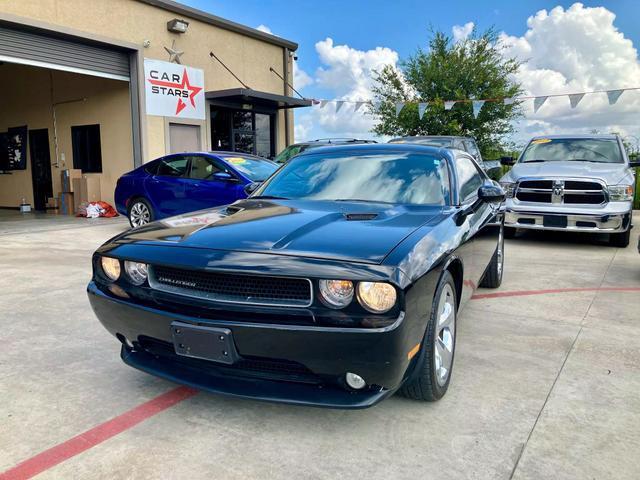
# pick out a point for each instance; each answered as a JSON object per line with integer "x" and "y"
{"x": 336, "y": 283}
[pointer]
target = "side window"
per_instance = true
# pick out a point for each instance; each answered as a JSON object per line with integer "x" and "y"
{"x": 151, "y": 168}
{"x": 202, "y": 168}
{"x": 472, "y": 148}
{"x": 173, "y": 166}
{"x": 469, "y": 178}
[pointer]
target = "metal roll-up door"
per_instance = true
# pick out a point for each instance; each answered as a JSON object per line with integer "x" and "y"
{"x": 50, "y": 51}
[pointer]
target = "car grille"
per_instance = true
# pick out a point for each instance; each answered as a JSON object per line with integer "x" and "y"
{"x": 557, "y": 191}
{"x": 232, "y": 288}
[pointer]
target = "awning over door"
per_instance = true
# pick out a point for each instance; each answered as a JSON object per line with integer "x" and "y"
{"x": 44, "y": 49}
{"x": 239, "y": 96}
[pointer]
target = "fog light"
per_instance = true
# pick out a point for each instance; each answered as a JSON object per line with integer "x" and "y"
{"x": 355, "y": 381}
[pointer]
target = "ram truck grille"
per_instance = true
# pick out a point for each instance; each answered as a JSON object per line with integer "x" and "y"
{"x": 556, "y": 191}
{"x": 232, "y": 288}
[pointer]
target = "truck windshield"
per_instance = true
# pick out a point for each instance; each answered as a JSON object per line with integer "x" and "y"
{"x": 600, "y": 150}
{"x": 389, "y": 177}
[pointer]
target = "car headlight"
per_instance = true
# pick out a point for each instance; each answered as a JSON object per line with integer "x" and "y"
{"x": 377, "y": 297}
{"x": 620, "y": 193}
{"x": 336, "y": 293}
{"x": 509, "y": 188}
{"x": 110, "y": 267}
{"x": 136, "y": 271}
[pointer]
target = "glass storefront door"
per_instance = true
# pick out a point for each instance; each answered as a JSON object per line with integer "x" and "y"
{"x": 243, "y": 131}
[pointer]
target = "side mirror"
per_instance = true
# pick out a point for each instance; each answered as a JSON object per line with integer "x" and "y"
{"x": 491, "y": 193}
{"x": 222, "y": 176}
{"x": 507, "y": 160}
{"x": 635, "y": 164}
{"x": 249, "y": 188}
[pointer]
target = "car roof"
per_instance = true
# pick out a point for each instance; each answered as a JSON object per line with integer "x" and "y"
{"x": 333, "y": 141}
{"x": 417, "y": 138}
{"x": 608, "y": 136}
{"x": 382, "y": 148}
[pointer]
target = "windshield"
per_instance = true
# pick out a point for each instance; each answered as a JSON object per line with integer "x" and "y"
{"x": 434, "y": 142}
{"x": 601, "y": 150}
{"x": 255, "y": 169}
{"x": 392, "y": 177}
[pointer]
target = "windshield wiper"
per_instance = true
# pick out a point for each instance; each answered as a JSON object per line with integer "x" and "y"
{"x": 534, "y": 161}
{"x": 585, "y": 160}
{"x": 360, "y": 200}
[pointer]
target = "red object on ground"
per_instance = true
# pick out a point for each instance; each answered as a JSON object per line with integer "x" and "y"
{"x": 104, "y": 208}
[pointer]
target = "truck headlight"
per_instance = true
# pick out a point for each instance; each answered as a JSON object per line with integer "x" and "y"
{"x": 336, "y": 293}
{"x": 110, "y": 267}
{"x": 509, "y": 188}
{"x": 377, "y": 297}
{"x": 136, "y": 271}
{"x": 620, "y": 193}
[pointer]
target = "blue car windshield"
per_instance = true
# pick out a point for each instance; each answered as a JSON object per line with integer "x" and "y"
{"x": 390, "y": 177}
{"x": 255, "y": 169}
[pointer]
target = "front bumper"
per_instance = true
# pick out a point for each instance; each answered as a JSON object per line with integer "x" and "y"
{"x": 613, "y": 217}
{"x": 324, "y": 354}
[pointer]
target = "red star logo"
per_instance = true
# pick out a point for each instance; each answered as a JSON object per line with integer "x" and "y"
{"x": 183, "y": 85}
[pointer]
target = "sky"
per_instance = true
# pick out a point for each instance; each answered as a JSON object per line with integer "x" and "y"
{"x": 567, "y": 47}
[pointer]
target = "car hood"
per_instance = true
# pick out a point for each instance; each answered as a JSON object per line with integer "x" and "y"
{"x": 610, "y": 173}
{"x": 354, "y": 231}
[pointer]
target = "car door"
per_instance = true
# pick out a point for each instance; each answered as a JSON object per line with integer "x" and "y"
{"x": 211, "y": 183}
{"x": 166, "y": 188}
{"x": 480, "y": 237}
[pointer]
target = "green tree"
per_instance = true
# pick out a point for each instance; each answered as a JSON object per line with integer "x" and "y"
{"x": 472, "y": 68}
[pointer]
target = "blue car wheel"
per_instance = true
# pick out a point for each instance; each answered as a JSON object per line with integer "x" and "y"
{"x": 140, "y": 212}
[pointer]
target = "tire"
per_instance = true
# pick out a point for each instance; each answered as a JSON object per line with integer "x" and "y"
{"x": 492, "y": 277}
{"x": 620, "y": 240}
{"x": 430, "y": 379}
{"x": 510, "y": 232}
{"x": 140, "y": 212}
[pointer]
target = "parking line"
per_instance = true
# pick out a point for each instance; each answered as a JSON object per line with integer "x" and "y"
{"x": 96, "y": 435}
{"x": 523, "y": 293}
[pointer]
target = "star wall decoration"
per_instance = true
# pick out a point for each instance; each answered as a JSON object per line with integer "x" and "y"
{"x": 174, "y": 55}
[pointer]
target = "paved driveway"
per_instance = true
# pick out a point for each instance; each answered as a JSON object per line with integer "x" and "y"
{"x": 546, "y": 382}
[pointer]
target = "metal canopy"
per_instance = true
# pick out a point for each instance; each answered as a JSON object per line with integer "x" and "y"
{"x": 258, "y": 99}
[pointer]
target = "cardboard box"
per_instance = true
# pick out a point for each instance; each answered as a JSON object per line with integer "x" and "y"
{"x": 67, "y": 177}
{"x": 66, "y": 203}
{"x": 77, "y": 195}
{"x": 90, "y": 189}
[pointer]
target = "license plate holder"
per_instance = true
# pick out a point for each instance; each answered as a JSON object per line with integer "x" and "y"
{"x": 554, "y": 221}
{"x": 205, "y": 343}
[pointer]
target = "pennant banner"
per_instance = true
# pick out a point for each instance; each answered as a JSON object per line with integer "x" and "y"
{"x": 509, "y": 101}
{"x": 477, "y": 105}
{"x": 323, "y": 103}
{"x": 358, "y": 106}
{"x": 399, "y": 107}
{"x": 422, "y": 107}
{"x": 613, "y": 96}
{"x": 339, "y": 104}
{"x": 448, "y": 105}
{"x": 538, "y": 102}
{"x": 575, "y": 98}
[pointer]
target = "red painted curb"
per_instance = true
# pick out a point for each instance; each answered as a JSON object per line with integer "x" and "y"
{"x": 523, "y": 293}
{"x": 96, "y": 435}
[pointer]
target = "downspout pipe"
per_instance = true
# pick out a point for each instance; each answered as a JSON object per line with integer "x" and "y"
{"x": 285, "y": 61}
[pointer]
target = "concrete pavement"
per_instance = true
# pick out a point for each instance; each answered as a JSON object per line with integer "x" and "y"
{"x": 544, "y": 386}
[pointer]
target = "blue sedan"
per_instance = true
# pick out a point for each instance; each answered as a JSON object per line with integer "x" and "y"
{"x": 185, "y": 182}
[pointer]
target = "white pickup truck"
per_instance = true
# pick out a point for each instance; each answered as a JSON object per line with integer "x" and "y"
{"x": 573, "y": 183}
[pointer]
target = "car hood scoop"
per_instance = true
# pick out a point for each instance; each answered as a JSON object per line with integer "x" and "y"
{"x": 319, "y": 229}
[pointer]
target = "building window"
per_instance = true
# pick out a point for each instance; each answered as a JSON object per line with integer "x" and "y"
{"x": 243, "y": 131}
{"x": 87, "y": 154}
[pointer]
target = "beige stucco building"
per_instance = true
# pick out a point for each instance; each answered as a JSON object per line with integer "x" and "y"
{"x": 72, "y": 73}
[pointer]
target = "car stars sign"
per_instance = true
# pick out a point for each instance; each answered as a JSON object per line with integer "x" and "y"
{"x": 174, "y": 90}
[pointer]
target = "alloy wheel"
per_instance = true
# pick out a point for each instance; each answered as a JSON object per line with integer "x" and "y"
{"x": 445, "y": 335}
{"x": 139, "y": 214}
{"x": 500, "y": 252}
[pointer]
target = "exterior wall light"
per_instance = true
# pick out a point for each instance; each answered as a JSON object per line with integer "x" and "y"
{"x": 177, "y": 26}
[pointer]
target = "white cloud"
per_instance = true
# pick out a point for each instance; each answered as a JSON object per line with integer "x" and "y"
{"x": 301, "y": 78}
{"x": 346, "y": 73}
{"x": 264, "y": 28}
{"x": 575, "y": 50}
{"x": 461, "y": 32}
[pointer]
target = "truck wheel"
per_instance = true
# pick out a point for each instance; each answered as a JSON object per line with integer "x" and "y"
{"x": 493, "y": 274}
{"x": 140, "y": 212}
{"x": 430, "y": 379}
{"x": 510, "y": 232}
{"x": 620, "y": 240}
